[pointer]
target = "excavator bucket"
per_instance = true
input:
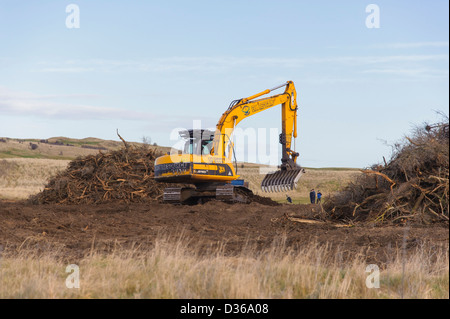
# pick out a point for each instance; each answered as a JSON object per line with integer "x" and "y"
{"x": 282, "y": 180}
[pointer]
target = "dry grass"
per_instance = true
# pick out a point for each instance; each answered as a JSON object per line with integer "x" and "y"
{"x": 171, "y": 270}
{"x": 22, "y": 177}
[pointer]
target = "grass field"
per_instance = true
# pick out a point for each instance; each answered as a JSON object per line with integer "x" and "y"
{"x": 32, "y": 168}
{"x": 172, "y": 270}
{"x": 327, "y": 180}
{"x": 22, "y": 177}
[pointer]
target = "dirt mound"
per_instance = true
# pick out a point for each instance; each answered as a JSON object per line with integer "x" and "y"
{"x": 253, "y": 198}
{"x": 413, "y": 185}
{"x": 124, "y": 175}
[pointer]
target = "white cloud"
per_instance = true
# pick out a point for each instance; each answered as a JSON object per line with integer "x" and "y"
{"x": 219, "y": 64}
{"x": 416, "y": 72}
{"x": 25, "y": 103}
{"x": 67, "y": 70}
{"x": 412, "y": 45}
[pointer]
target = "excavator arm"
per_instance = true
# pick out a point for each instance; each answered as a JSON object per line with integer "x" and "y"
{"x": 247, "y": 107}
{"x": 241, "y": 109}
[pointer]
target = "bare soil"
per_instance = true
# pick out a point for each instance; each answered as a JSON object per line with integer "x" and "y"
{"x": 73, "y": 231}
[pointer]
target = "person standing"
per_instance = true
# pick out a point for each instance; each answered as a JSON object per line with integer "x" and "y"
{"x": 319, "y": 197}
{"x": 312, "y": 196}
{"x": 289, "y": 199}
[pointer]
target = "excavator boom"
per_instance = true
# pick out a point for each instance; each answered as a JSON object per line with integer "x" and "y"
{"x": 289, "y": 174}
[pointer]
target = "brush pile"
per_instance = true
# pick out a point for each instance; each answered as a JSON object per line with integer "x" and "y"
{"x": 413, "y": 185}
{"x": 124, "y": 175}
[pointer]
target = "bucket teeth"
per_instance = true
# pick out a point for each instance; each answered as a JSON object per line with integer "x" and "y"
{"x": 281, "y": 181}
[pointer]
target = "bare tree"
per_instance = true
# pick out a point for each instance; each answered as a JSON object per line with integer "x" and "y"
{"x": 147, "y": 140}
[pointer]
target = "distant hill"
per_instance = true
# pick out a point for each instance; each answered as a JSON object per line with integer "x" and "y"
{"x": 60, "y": 147}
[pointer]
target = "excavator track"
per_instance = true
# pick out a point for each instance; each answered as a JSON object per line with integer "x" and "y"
{"x": 187, "y": 195}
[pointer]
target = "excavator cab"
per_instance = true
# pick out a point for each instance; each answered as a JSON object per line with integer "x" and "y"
{"x": 204, "y": 175}
{"x": 198, "y": 142}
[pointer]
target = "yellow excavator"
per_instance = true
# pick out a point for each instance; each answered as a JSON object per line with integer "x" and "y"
{"x": 205, "y": 165}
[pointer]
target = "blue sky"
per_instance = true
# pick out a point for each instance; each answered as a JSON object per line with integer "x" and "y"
{"x": 147, "y": 67}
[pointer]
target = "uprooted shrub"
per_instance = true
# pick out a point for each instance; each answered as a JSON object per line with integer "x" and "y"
{"x": 413, "y": 185}
{"x": 123, "y": 175}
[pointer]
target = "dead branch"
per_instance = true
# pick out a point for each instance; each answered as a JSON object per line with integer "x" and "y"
{"x": 379, "y": 174}
{"x": 124, "y": 142}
